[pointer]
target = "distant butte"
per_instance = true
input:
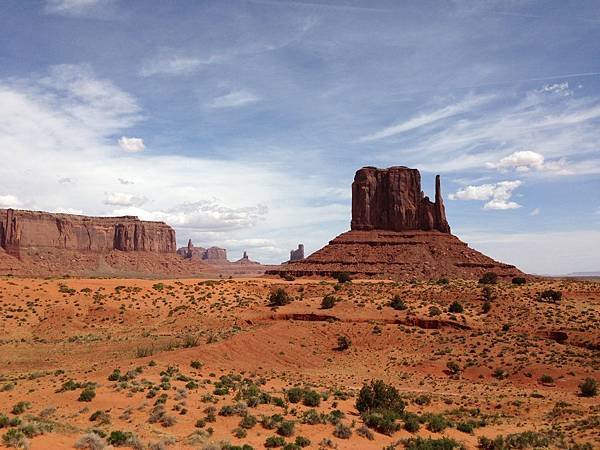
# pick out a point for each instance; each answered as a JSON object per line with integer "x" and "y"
{"x": 396, "y": 233}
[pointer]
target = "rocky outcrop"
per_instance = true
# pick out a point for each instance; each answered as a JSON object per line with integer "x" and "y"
{"x": 397, "y": 233}
{"x": 21, "y": 229}
{"x": 298, "y": 254}
{"x": 211, "y": 255}
{"x": 392, "y": 199}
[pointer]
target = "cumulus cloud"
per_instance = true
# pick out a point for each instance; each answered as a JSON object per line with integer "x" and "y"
{"x": 124, "y": 181}
{"x": 131, "y": 144}
{"x": 234, "y": 99}
{"x": 497, "y": 195}
{"x": 124, "y": 199}
{"x": 10, "y": 201}
{"x": 521, "y": 161}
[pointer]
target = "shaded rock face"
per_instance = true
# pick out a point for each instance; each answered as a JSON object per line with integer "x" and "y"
{"x": 298, "y": 254}
{"x": 392, "y": 199}
{"x": 21, "y": 229}
{"x": 209, "y": 255}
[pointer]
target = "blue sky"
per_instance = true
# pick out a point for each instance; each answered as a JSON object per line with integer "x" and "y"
{"x": 241, "y": 123}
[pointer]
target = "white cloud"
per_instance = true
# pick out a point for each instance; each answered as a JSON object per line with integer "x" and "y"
{"x": 496, "y": 195}
{"x": 427, "y": 118}
{"x": 131, "y": 144}
{"x": 168, "y": 62}
{"x": 558, "y": 88}
{"x": 124, "y": 199}
{"x": 535, "y": 212}
{"x": 10, "y": 201}
{"x": 124, "y": 181}
{"x": 234, "y": 99}
{"x": 521, "y": 161}
{"x": 73, "y": 7}
{"x": 565, "y": 128}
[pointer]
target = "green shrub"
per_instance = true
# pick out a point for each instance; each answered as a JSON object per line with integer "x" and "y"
{"x": 526, "y": 439}
{"x": 489, "y": 278}
{"x": 342, "y": 277}
{"x": 550, "y": 295}
{"x": 456, "y": 307}
{"x": 87, "y": 395}
{"x": 302, "y": 441}
{"x": 453, "y": 367}
{"x": 342, "y": 431}
{"x": 382, "y": 421}
{"x": 311, "y": 398}
{"x": 119, "y": 438}
{"x": 294, "y": 395}
{"x": 487, "y": 306}
{"x": 274, "y": 441}
{"x": 411, "y": 423}
{"x": 379, "y": 396}
{"x": 519, "y": 281}
{"x": 589, "y": 387}
{"x": 397, "y": 303}
{"x": 487, "y": 293}
{"x": 431, "y": 444}
{"x": 328, "y": 301}
{"x": 195, "y": 364}
{"x": 343, "y": 343}
{"x": 286, "y": 428}
{"x": 434, "y": 311}
{"x": 14, "y": 438}
{"x": 436, "y": 423}
{"x": 279, "y": 298}
{"x": 465, "y": 427}
{"x": 547, "y": 379}
{"x": 20, "y": 407}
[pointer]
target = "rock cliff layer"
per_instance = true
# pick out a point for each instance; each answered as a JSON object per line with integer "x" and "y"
{"x": 392, "y": 199}
{"x": 21, "y": 229}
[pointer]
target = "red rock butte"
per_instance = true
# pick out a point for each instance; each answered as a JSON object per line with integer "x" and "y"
{"x": 396, "y": 233}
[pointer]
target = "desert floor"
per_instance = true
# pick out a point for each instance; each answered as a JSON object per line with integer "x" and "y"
{"x": 199, "y": 360}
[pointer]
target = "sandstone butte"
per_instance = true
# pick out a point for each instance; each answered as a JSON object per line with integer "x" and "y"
{"x": 396, "y": 233}
{"x": 40, "y": 243}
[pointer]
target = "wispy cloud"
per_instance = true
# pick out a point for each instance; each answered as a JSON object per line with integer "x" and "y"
{"x": 427, "y": 118}
{"x": 169, "y": 62}
{"x": 75, "y": 7}
{"x": 496, "y": 195}
{"x": 124, "y": 199}
{"x": 234, "y": 99}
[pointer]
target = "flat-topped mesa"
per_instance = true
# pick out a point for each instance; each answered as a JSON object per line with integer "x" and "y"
{"x": 392, "y": 199}
{"x": 20, "y": 229}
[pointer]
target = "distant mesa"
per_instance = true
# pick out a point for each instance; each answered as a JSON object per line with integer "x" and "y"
{"x": 211, "y": 255}
{"x": 396, "y": 233}
{"x": 245, "y": 260}
{"x": 298, "y": 254}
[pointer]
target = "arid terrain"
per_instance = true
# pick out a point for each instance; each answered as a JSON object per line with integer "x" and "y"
{"x": 210, "y": 363}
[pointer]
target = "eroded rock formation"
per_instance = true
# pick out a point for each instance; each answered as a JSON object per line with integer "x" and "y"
{"x": 211, "y": 255}
{"x": 392, "y": 199}
{"x": 21, "y": 229}
{"x": 298, "y": 254}
{"x": 397, "y": 233}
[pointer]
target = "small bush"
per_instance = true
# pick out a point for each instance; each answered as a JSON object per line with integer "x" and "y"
{"x": 436, "y": 423}
{"x": 343, "y": 343}
{"x": 342, "y": 277}
{"x": 279, "y": 298}
{"x": 311, "y": 398}
{"x": 589, "y": 387}
{"x": 489, "y": 278}
{"x": 411, "y": 423}
{"x": 434, "y": 311}
{"x": 87, "y": 395}
{"x": 519, "y": 281}
{"x": 453, "y": 367}
{"x": 120, "y": 438}
{"x": 302, "y": 441}
{"x": 20, "y": 407}
{"x": 431, "y": 444}
{"x": 274, "y": 441}
{"x": 487, "y": 293}
{"x": 397, "y": 303}
{"x": 382, "y": 421}
{"x": 90, "y": 441}
{"x": 487, "y": 306}
{"x": 456, "y": 307}
{"x": 379, "y": 396}
{"x": 15, "y": 438}
{"x": 550, "y": 295}
{"x": 294, "y": 395}
{"x": 546, "y": 379}
{"x": 328, "y": 302}
{"x": 286, "y": 428}
{"x": 342, "y": 431}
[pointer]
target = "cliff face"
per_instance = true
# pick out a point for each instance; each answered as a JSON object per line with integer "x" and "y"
{"x": 392, "y": 199}
{"x": 211, "y": 255}
{"x": 298, "y": 254}
{"x": 25, "y": 229}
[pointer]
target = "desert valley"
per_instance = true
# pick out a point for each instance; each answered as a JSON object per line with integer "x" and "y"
{"x": 394, "y": 335}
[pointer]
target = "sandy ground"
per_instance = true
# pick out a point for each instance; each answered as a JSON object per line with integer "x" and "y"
{"x": 59, "y": 335}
